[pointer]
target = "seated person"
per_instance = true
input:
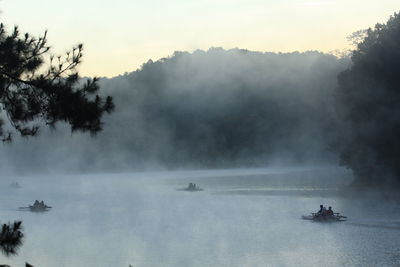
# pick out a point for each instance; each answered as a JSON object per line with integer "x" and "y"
{"x": 329, "y": 212}
{"x": 322, "y": 211}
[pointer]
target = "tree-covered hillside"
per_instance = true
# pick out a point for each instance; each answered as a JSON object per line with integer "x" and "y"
{"x": 216, "y": 108}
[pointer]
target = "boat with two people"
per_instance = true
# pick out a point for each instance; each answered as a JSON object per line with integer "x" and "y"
{"x": 325, "y": 215}
{"x": 38, "y": 206}
{"x": 191, "y": 187}
{"x": 15, "y": 185}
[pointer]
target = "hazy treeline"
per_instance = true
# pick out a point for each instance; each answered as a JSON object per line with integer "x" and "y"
{"x": 215, "y": 108}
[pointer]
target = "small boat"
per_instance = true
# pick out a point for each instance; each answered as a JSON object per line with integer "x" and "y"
{"x": 37, "y": 207}
{"x": 336, "y": 217}
{"x": 191, "y": 187}
{"x": 15, "y": 185}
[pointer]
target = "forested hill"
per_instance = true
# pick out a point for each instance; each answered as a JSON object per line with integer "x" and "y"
{"x": 215, "y": 108}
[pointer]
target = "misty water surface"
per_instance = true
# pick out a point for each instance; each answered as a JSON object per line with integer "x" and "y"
{"x": 245, "y": 217}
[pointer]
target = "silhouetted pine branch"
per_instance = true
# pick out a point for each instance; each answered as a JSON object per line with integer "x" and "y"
{"x": 32, "y": 91}
{"x": 11, "y": 237}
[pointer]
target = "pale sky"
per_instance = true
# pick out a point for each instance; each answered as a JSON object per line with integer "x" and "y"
{"x": 120, "y": 35}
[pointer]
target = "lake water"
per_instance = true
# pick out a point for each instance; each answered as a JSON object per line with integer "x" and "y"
{"x": 247, "y": 217}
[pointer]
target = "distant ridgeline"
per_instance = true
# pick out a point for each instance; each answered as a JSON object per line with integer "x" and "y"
{"x": 215, "y": 108}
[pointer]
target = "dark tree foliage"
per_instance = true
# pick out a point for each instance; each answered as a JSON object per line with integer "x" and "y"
{"x": 32, "y": 91}
{"x": 11, "y": 238}
{"x": 367, "y": 101}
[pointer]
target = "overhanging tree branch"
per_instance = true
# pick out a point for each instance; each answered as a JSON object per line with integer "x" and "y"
{"x": 32, "y": 91}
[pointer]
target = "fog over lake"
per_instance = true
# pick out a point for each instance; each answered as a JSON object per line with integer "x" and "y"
{"x": 207, "y": 109}
{"x": 240, "y": 153}
{"x": 244, "y": 217}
